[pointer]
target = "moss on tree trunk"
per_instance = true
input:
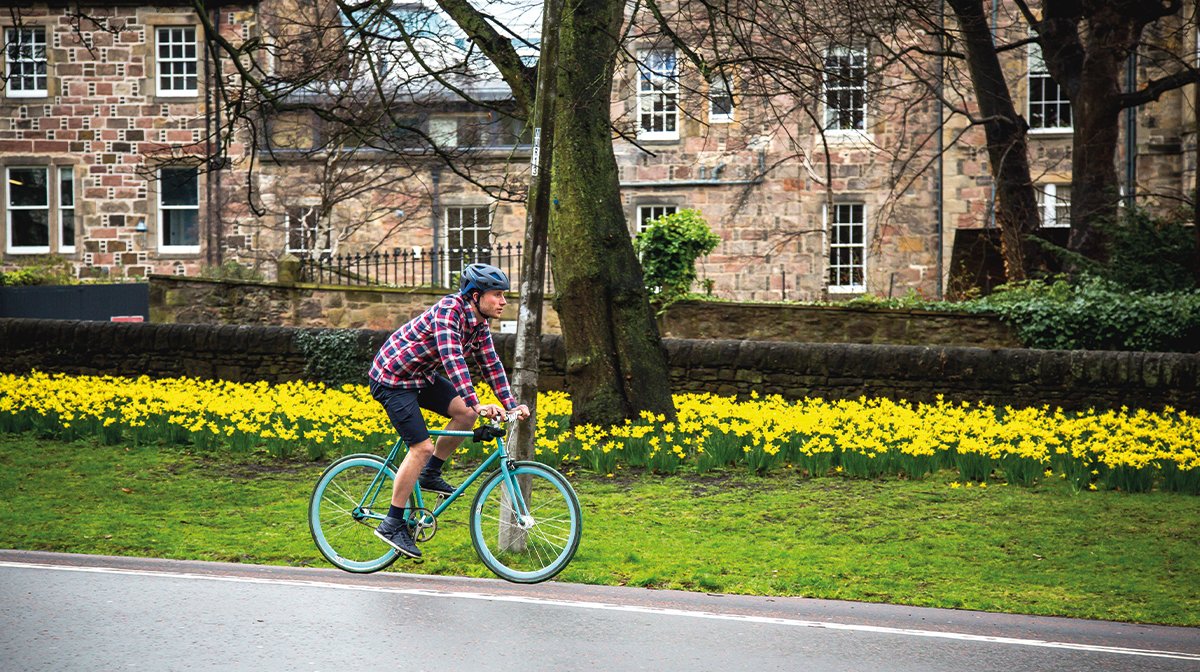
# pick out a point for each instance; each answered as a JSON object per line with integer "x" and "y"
{"x": 616, "y": 366}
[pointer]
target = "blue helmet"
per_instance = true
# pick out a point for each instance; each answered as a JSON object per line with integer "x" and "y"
{"x": 482, "y": 277}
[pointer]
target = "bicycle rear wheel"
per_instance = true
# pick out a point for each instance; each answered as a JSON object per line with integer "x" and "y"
{"x": 342, "y": 523}
{"x": 536, "y": 548}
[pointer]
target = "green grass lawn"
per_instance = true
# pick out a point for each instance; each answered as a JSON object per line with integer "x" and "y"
{"x": 1041, "y": 550}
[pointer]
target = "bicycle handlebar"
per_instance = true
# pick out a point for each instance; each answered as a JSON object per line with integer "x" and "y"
{"x": 495, "y": 427}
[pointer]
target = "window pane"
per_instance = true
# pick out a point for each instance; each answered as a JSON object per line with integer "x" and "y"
{"x": 845, "y": 88}
{"x": 306, "y": 232}
{"x": 468, "y": 237}
{"x": 179, "y": 186}
{"x": 176, "y": 62}
{"x": 847, "y": 250}
{"x": 30, "y": 228}
{"x": 68, "y": 228}
{"x": 25, "y": 66}
{"x": 180, "y": 227}
{"x": 657, "y": 90}
{"x": 66, "y": 187}
{"x": 27, "y": 187}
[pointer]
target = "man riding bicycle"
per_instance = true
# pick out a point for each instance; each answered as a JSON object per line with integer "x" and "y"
{"x": 423, "y": 365}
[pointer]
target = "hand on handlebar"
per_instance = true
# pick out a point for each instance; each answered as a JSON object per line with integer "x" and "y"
{"x": 490, "y": 411}
{"x": 494, "y": 412}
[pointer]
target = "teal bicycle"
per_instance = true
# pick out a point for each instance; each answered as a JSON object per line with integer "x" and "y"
{"x": 524, "y": 539}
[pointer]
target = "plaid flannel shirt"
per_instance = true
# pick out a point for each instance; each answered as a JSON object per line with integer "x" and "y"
{"x": 442, "y": 337}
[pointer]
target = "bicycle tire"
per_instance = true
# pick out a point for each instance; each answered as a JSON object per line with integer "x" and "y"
{"x": 346, "y": 541}
{"x": 550, "y": 542}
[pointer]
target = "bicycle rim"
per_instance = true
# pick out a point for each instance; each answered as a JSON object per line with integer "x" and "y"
{"x": 347, "y": 541}
{"x": 551, "y": 537}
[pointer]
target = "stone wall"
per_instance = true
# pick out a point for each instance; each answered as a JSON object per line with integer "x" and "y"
{"x": 832, "y": 324}
{"x": 1071, "y": 379}
{"x": 178, "y": 299}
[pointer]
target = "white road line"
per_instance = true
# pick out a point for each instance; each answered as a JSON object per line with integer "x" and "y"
{"x": 603, "y": 606}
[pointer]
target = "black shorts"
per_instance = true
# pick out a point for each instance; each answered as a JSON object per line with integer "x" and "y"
{"x": 403, "y": 406}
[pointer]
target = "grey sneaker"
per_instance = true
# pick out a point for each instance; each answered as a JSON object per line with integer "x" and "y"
{"x": 398, "y": 538}
{"x": 436, "y": 484}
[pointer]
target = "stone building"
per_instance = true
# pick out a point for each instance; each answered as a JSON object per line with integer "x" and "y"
{"x": 114, "y": 157}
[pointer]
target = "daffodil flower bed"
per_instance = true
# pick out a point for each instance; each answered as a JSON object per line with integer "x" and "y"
{"x": 1129, "y": 450}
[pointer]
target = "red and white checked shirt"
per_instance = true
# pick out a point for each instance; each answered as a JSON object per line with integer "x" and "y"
{"x": 442, "y": 337}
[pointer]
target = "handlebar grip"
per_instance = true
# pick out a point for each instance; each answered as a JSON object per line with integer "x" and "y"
{"x": 487, "y": 433}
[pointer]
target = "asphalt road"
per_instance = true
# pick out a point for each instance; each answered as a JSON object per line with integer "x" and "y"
{"x": 73, "y": 612}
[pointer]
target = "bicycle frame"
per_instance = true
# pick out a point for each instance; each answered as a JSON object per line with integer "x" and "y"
{"x": 498, "y": 456}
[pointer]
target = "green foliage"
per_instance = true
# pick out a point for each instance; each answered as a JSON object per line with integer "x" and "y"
{"x": 333, "y": 356}
{"x": 912, "y": 300}
{"x": 1150, "y": 253}
{"x": 1142, "y": 251}
{"x": 41, "y": 270}
{"x": 232, "y": 270}
{"x": 1042, "y": 550}
{"x": 1096, "y": 314}
{"x": 669, "y": 248}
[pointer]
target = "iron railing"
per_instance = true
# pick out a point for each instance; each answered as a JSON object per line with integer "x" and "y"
{"x": 413, "y": 267}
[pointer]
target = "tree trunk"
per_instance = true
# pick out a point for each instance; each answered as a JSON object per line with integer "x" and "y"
{"x": 512, "y": 537}
{"x": 616, "y": 366}
{"x": 1096, "y": 113}
{"x": 537, "y": 215}
{"x": 1008, "y": 152}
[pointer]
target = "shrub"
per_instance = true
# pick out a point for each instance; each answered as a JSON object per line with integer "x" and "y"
{"x": 1096, "y": 314}
{"x": 232, "y": 270}
{"x": 333, "y": 356}
{"x": 669, "y": 248}
{"x": 41, "y": 270}
{"x": 1153, "y": 254}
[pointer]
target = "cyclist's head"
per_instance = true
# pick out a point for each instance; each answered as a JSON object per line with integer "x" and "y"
{"x": 482, "y": 278}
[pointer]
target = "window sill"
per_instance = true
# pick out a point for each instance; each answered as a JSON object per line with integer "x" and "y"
{"x": 852, "y": 289}
{"x": 663, "y": 138}
{"x": 28, "y": 250}
{"x": 179, "y": 251}
{"x": 26, "y": 95}
{"x": 1052, "y": 132}
{"x": 176, "y": 97}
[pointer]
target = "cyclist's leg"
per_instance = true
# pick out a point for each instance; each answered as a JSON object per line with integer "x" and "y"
{"x": 441, "y": 398}
{"x": 404, "y": 410}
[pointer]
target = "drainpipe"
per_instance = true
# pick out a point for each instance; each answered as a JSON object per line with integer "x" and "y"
{"x": 939, "y": 194}
{"x": 218, "y": 205}
{"x": 992, "y": 199}
{"x": 1131, "y": 135}
{"x": 208, "y": 152}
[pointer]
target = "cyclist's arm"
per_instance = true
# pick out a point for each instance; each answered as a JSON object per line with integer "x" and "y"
{"x": 450, "y": 351}
{"x": 493, "y": 372}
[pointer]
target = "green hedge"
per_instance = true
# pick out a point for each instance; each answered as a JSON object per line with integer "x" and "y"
{"x": 1096, "y": 314}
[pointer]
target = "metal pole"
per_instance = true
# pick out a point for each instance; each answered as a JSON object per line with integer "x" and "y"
{"x": 533, "y": 262}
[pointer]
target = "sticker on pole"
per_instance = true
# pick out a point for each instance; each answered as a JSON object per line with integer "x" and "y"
{"x": 537, "y": 152}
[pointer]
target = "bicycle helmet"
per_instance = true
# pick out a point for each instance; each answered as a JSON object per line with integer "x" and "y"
{"x": 482, "y": 277}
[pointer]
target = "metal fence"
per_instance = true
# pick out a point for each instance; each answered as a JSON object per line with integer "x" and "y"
{"x": 413, "y": 267}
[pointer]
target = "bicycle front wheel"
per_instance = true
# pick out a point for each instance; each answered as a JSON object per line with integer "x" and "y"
{"x": 533, "y": 548}
{"x": 345, "y": 509}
